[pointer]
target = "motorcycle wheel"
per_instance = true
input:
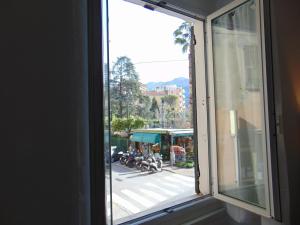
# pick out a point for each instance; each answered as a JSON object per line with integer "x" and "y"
{"x": 138, "y": 166}
{"x": 130, "y": 164}
{"x": 143, "y": 168}
{"x": 122, "y": 161}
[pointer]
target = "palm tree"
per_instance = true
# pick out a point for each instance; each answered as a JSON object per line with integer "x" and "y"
{"x": 183, "y": 36}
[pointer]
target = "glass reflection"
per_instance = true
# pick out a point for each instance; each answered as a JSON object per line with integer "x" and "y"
{"x": 239, "y": 104}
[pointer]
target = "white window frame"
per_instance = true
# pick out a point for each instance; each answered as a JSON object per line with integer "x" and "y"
{"x": 269, "y": 211}
{"x": 205, "y": 105}
{"x": 202, "y": 109}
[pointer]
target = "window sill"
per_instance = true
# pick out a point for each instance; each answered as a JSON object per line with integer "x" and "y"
{"x": 188, "y": 211}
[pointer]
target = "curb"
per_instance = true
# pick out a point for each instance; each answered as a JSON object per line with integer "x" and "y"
{"x": 166, "y": 169}
{"x": 172, "y": 171}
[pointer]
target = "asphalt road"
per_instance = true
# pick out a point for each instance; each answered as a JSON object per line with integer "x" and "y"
{"x": 135, "y": 193}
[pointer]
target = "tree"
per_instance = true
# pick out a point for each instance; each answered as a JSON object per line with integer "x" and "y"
{"x": 154, "y": 108}
{"x": 142, "y": 107}
{"x": 125, "y": 87}
{"x": 183, "y": 36}
{"x": 170, "y": 101}
{"x": 127, "y": 124}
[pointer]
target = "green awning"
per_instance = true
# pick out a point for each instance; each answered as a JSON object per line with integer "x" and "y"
{"x": 146, "y": 138}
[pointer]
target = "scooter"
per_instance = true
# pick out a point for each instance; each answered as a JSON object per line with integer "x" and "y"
{"x": 130, "y": 162}
{"x": 124, "y": 158}
{"x": 116, "y": 156}
{"x": 151, "y": 164}
{"x": 145, "y": 164}
{"x": 138, "y": 162}
{"x": 155, "y": 165}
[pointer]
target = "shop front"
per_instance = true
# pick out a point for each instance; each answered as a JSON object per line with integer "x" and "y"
{"x": 164, "y": 141}
{"x": 182, "y": 145}
{"x": 146, "y": 143}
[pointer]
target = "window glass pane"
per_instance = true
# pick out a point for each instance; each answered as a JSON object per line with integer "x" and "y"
{"x": 240, "y": 127}
{"x": 106, "y": 112}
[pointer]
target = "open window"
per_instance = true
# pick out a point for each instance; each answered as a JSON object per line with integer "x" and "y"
{"x": 238, "y": 112}
{"x": 231, "y": 107}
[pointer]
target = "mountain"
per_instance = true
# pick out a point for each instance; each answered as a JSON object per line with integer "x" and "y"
{"x": 179, "y": 82}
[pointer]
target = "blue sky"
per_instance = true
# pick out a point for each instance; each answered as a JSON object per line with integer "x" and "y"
{"x": 147, "y": 38}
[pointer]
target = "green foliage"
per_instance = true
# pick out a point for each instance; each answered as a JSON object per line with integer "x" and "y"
{"x": 142, "y": 106}
{"x": 154, "y": 108}
{"x": 183, "y": 36}
{"x": 127, "y": 124}
{"x": 126, "y": 98}
{"x": 170, "y": 100}
{"x": 124, "y": 87}
{"x": 170, "y": 111}
{"x": 187, "y": 164}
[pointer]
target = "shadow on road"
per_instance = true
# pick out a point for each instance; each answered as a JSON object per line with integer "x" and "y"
{"x": 142, "y": 174}
{"x": 123, "y": 170}
{"x": 124, "y": 174}
{"x": 118, "y": 168}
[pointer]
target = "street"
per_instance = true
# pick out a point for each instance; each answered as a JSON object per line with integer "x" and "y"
{"x": 134, "y": 192}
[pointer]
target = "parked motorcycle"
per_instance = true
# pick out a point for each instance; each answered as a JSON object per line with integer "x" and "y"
{"x": 116, "y": 154}
{"x": 156, "y": 165}
{"x": 128, "y": 159}
{"x": 130, "y": 162}
{"x": 124, "y": 158}
{"x": 138, "y": 162}
{"x": 151, "y": 164}
{"x": 145, "y": 164}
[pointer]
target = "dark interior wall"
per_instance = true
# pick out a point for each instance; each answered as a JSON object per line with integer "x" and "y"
{"x": 285, "y": 19}
{"x": 44, "y": 113}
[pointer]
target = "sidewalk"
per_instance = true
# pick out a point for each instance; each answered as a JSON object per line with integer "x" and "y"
{"x": 190, "y": 172}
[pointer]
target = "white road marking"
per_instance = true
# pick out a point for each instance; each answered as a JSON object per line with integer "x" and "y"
{"x": 168, "y": 192}
{"x": 176, "y": 180}
{"x": 124, "y": 203}
{"x": 153, "y": 195}
{"x": 172, "y": 185}
{"x": 141, "y": 200}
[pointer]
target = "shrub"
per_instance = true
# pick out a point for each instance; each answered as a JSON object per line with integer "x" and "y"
{"x": 187, "y": 164}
